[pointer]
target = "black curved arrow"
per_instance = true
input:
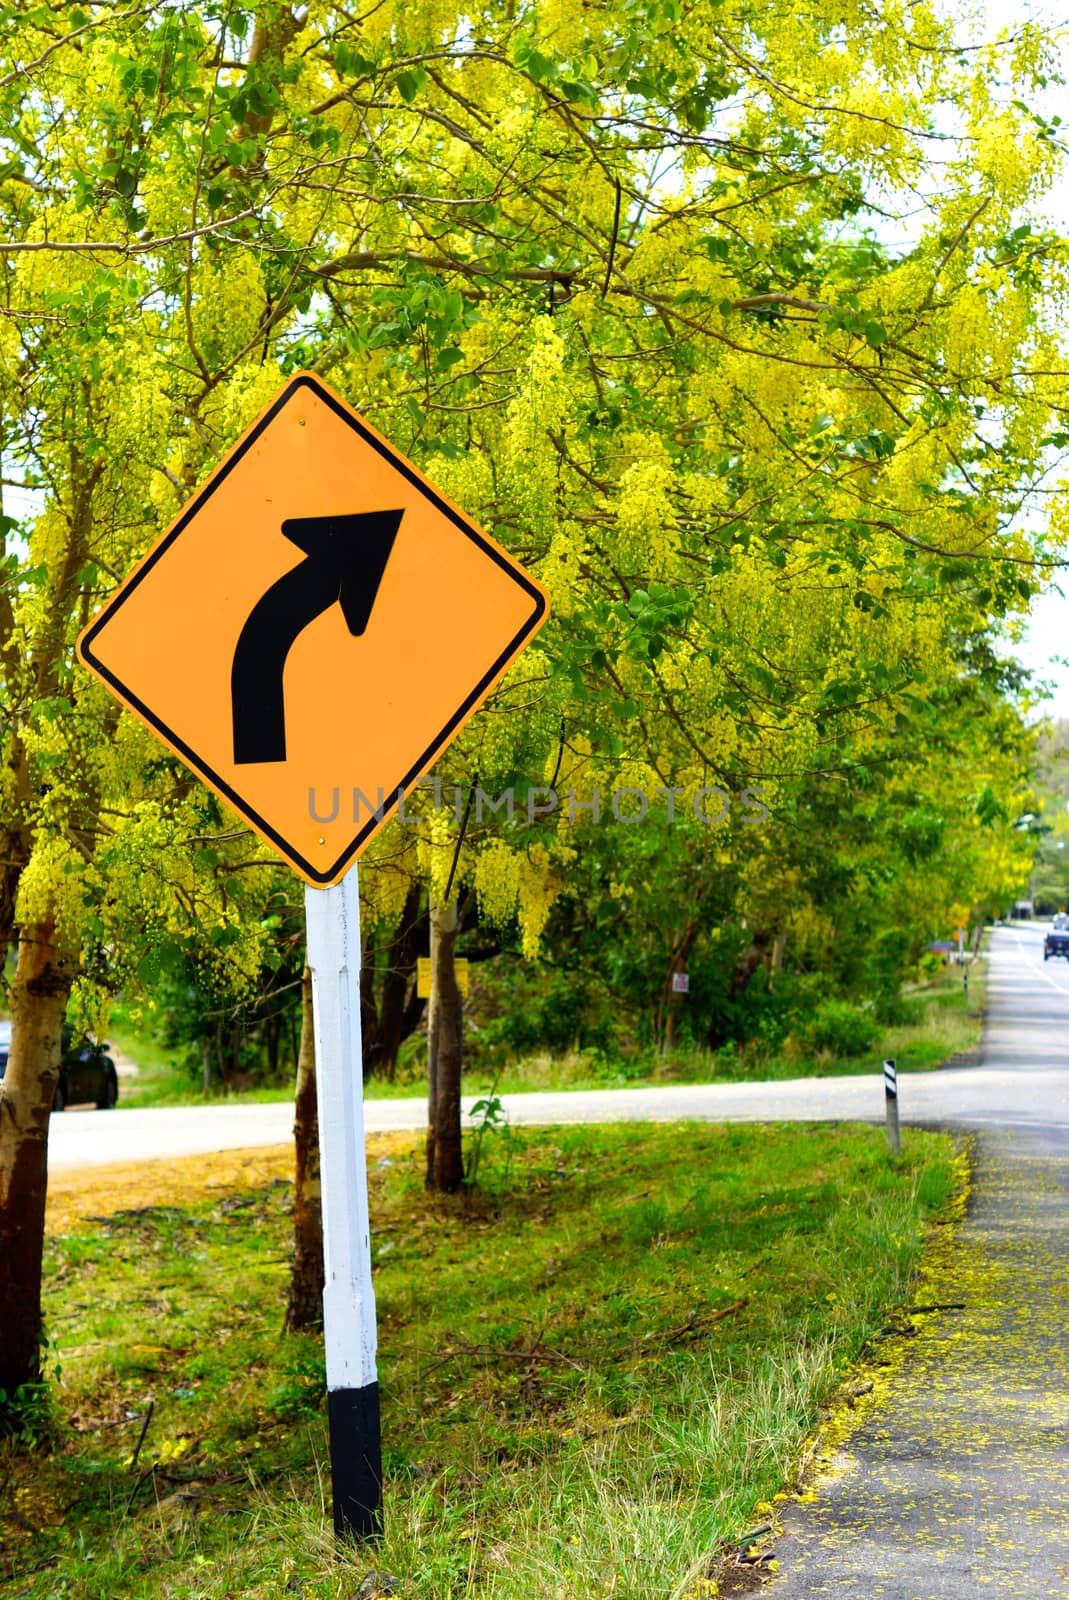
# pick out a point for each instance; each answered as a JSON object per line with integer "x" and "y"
{"x": 346, "y": 558}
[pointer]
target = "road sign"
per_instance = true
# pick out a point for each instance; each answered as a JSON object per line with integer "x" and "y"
{"x": 425, "y": 976}
{"x": 314, "y": 629}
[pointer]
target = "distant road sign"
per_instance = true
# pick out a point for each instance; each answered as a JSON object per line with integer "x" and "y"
{"x": 425, "y": 976}
{"x": 314, "y": 628}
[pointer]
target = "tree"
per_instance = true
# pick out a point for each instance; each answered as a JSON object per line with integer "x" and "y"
{"x": 614, "y": 278}
{"x": 305, "y": 1305}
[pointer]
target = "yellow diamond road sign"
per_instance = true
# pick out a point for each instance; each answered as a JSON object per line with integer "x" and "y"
{"x": 314, "y": 629}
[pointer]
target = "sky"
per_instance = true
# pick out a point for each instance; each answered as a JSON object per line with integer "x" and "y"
{"x": 1045, "y": 648}
{"x": 1045, "y": 645}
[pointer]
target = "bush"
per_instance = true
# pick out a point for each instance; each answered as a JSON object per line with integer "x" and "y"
{"x": 895, "y": 1011}
{"x": 840, "y": 1028}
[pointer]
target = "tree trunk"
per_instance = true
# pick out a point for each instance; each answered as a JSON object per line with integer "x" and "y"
{"x": 445, "y": 1162}
{"x": 38, "y": 1004}
{"x": 397, "y": 1018}
{"x": 388, "y": 1021}
{"x": 749, "y": 962}
{"x": 369, "y": 1017}
{"x": 305, "y": 1308}
{"x": 272, "y": 1037}
{"x": 672, "y": 999}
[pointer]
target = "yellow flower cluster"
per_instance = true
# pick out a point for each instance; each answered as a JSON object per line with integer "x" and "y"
{"x": 51, "y": 886}
{"x": 645, "y": 511}
{"x": 541, "y": 408}
{"x": 228, "y": 304}
{"x": 1010, "y": 157}
{"x": 497, "y": 880}
{"x": 538, "y": 889}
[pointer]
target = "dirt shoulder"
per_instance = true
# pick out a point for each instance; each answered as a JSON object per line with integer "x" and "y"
{"x": 77, "y": 1194}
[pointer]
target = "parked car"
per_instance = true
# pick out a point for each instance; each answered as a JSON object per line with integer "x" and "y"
{"x": 86, "y": 1071}
{"x": 1056, "y": 942}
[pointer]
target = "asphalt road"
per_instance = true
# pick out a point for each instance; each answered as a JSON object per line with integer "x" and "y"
{"x": 1023, "y": 1082}
{"x": 957, "y": 1485}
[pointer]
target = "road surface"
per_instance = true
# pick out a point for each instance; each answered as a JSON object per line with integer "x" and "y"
{"x": 1023, "y": 1083}
{"x": 958, "y": 1484}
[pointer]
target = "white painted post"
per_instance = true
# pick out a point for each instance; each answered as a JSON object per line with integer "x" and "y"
{"x": 890, "y": 1090}
{"x": 333, "y": 920}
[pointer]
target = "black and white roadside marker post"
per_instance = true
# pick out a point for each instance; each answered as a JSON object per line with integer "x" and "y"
{"x": 333, "y": 919}
{"x": 890, "y": 1090}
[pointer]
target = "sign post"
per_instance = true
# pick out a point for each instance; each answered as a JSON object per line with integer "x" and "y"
{"x": 333, "y": 921}
{"x": 276, "y": 637}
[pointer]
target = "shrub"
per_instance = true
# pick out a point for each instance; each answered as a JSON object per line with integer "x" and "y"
{"x": 840, "y": 1028}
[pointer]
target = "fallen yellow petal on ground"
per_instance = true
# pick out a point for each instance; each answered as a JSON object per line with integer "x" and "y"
{"x": 130, "y": 1185}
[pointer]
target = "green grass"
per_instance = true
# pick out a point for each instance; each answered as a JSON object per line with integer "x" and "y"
{"x": 161, "y": 1078}
{"x": 595, "y": 1374}
{"x": 944, "y": 1022}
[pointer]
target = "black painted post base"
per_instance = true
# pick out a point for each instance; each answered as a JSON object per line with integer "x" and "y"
{"x": 356, "y": 1461}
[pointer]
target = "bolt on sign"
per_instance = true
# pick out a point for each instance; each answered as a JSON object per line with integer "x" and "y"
{"x": 277, "y": 636}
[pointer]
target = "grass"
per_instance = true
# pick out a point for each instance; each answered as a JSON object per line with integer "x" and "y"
{"x": 596, "y": 1373}
{"x": 163, "y": 1081}
{"x": 944, "y": 1022}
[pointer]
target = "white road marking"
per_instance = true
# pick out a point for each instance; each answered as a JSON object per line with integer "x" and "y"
{"x": 1036, "y": 971}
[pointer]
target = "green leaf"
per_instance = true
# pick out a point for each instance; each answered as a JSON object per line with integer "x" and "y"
{"x": 575, "y": 90}
{"x": 148, "y": 969}
{"x": 539, "y": 68}
{"x": 410, "y": 82}
{"x": 349, "y": 63}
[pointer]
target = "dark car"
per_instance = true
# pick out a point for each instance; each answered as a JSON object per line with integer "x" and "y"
{"x": 1057, "y": 941}
{"x": 86, "y": 1071}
